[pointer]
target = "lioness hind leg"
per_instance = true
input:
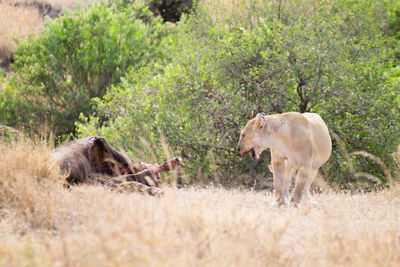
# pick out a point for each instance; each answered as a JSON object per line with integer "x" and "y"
{"x": 304, "y": 178}
{"x": 307, "y": 195}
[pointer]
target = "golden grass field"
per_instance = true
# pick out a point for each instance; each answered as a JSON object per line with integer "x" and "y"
{"x": 44, "y": 224}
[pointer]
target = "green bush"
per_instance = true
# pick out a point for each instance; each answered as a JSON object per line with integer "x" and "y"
{"x": 300, "y": 56}
{"x": 189, "y": 88}
{"x": 394, "y": 20}
{"x": 80, "y": 54}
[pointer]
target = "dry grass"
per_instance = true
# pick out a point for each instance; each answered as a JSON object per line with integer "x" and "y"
{"x": 43, "y": 224}
{"x": 16, "y": 22}
{"x": 56, "y": 3}
{"x": 241, "y": 10}
{"x": 251, "y": 10}
{"x": 19, "y": 18}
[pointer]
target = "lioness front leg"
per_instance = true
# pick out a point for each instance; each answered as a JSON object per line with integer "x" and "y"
{"x": 289, "y": 172}
{"x": 279, "y": 172}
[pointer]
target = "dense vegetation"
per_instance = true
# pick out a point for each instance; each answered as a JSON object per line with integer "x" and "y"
{"x": 191, "y": 86}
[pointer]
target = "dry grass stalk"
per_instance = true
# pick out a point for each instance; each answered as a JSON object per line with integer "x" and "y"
{"x": 396, "y": 156}
{"x": 350, "y": 165}
{"x": 385, "y": 169}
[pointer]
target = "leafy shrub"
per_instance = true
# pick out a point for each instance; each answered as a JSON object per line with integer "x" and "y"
{"x": 79, "y": 55}
{"x": 297, "y": 56}
{"x": 394, "y": 20}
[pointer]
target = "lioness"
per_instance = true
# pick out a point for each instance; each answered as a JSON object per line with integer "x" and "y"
{"x": 298, "y": 142}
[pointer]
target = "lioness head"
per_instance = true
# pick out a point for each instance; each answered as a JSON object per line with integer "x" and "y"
{"x": 251, "y": 138}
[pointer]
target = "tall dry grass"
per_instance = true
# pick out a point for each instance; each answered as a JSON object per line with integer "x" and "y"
{"x": 16, "y": 22}
{"x": 44, "y": 224}
{"x": 56, "y": 3}
{"x": 28, "y": 179}
{"x": 19, "y": 18}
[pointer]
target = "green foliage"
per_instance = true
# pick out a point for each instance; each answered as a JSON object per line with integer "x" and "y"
{"x": 394, "y": 20}
{"x": 326, "y": 58}
{"x": 79, "y": 55}
{"x": 151, "y": 87}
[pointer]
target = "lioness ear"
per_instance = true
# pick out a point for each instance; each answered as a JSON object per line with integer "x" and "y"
{"x": 260, "y": 121}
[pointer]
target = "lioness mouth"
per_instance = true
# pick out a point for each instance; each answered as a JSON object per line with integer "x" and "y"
{"x": 253, "y": 154}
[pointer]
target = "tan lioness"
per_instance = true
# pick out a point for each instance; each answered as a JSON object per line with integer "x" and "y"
{"x": 298, "y": 142}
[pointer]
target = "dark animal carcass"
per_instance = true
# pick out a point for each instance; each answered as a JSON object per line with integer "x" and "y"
{"x": 94, "y": 160}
